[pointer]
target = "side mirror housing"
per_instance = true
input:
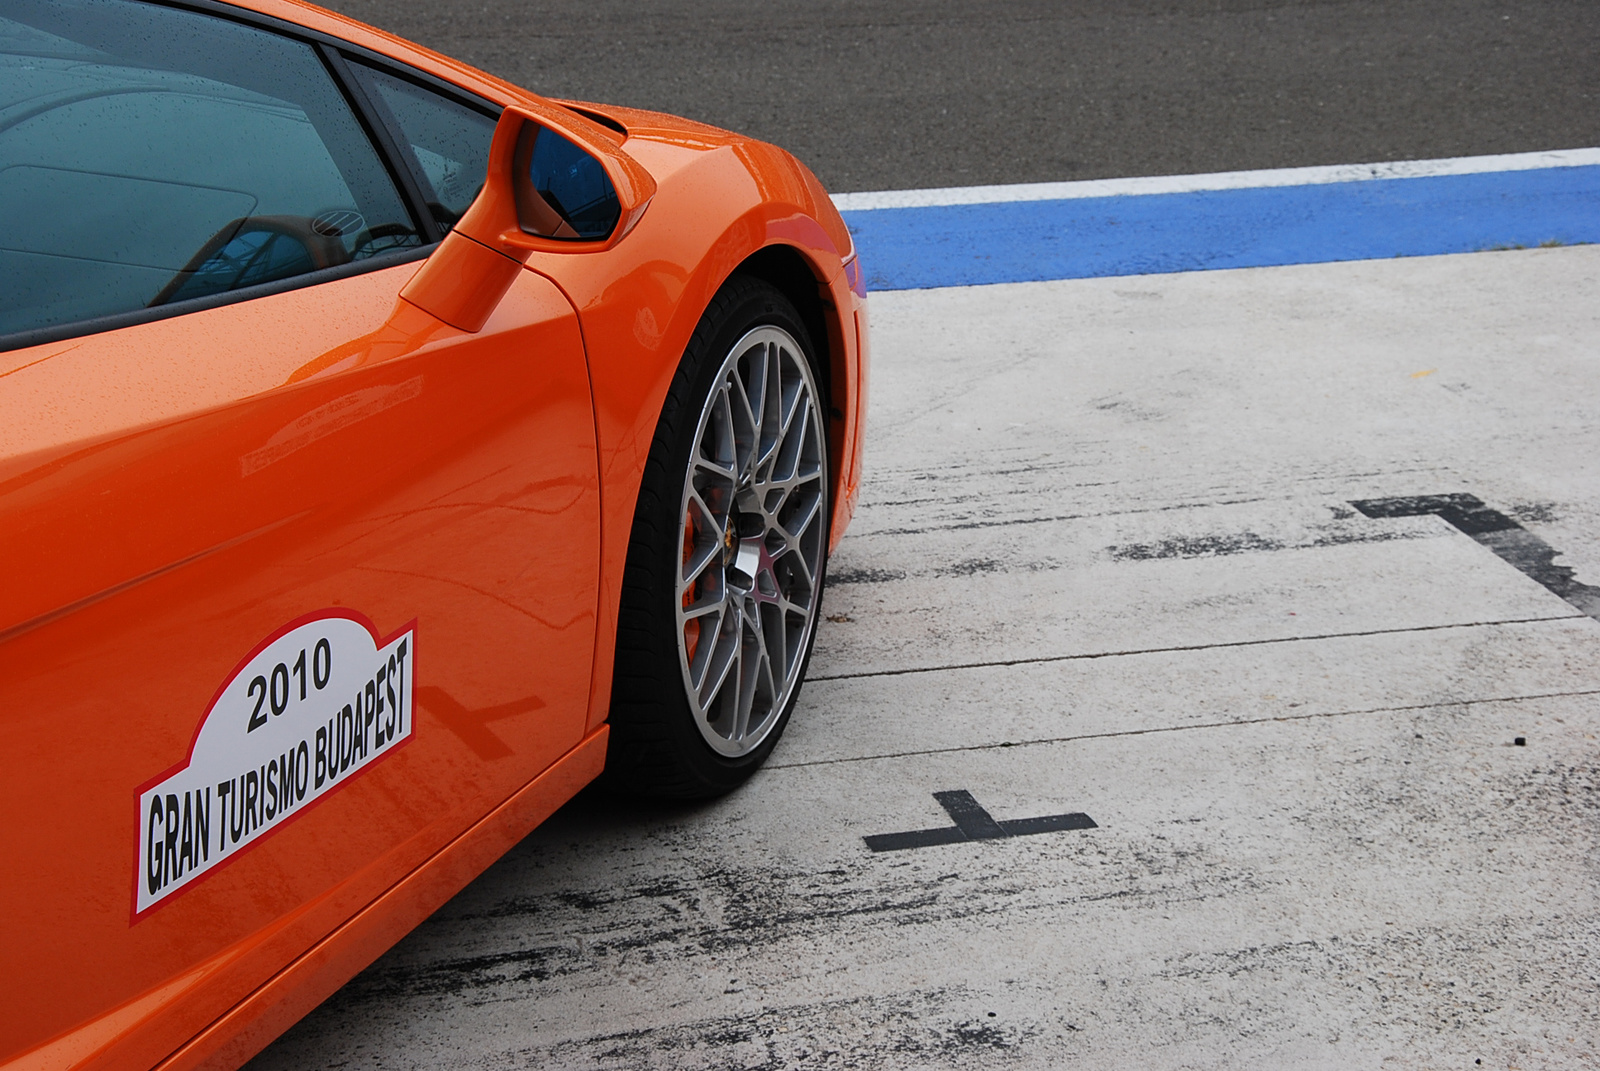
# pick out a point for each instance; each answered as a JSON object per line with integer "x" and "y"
{"x": 551, "y": 187}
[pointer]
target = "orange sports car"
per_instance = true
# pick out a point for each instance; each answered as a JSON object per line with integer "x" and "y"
{"x": 386, "y": 452}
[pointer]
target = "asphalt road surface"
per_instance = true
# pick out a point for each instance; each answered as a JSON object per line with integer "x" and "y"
{"x": 879, "y": 95}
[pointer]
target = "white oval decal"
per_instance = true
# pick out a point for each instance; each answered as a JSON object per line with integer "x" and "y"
{"x": 317, "y": 703}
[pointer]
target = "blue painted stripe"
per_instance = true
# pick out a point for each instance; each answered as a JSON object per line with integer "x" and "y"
{"x": 1025, "y": 241}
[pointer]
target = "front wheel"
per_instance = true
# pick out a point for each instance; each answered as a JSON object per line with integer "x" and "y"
{"x": 727, "y": 558}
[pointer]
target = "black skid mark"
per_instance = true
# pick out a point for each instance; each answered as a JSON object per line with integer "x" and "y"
{"x": 1513, "y": 543}
{"x": 865, "y": 576}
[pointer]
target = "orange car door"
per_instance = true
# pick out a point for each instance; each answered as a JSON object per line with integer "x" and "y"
{"x": 299, "y": 581}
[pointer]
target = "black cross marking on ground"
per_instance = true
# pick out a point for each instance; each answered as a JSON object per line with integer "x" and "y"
{"x": 972, "y": 822}
{"x": 1512, "y": 542}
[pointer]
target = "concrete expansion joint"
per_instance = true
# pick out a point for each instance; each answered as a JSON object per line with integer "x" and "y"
{"x": 1236, "y": 723}
{"x": 1047, "y": 659}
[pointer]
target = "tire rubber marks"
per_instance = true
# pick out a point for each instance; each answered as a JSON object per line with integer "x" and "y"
{"x": 972, "y": 822}
{"x": 1513, "y": 543}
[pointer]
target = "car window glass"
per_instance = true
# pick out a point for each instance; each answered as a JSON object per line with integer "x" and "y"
{"x": 150, "y": 154}
{"x": 449, "y": 141}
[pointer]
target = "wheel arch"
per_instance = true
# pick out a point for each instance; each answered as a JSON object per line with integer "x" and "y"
{"x": 786, "y": 268}
{"x": 799, "y": 279}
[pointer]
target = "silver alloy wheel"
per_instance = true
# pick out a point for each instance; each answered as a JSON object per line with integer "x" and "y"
{"x": 752, "y": 533}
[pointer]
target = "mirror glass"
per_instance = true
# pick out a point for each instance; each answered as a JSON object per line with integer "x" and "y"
{"x": 575, "y": 186}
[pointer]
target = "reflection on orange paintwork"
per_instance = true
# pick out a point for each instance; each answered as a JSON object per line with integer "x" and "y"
{"x": 406, "y": 329}
{"x": 472, "y": 726}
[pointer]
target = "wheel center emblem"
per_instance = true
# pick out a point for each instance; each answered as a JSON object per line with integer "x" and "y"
{"x": 730, "y": 547}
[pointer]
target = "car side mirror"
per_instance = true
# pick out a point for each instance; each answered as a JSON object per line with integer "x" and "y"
{"x": 557, "y": 183}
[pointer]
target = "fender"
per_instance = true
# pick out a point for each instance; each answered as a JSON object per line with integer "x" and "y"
{"x": 709, "y": 216}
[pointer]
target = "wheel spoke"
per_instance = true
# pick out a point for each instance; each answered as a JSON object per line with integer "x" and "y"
{"x": 706, "y": 643}
{"x": 794, "y": 443}
{"x": 760, "y": 369}
{"x": 725, "y": 434}
{"x": 771, "y": 409}
{"x": 753, "y": 665}
{"x": 696, "y": 567}
{"x": 706, "y": 543}
{"x": 701, "y": 609}
{"x": 726, "y": 472}
{"x": 724, "y": 657}
{"x": 746, "y": 422}
{"x": 775, "y": 644}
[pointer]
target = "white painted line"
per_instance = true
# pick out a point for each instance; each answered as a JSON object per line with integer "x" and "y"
{"x": 1225, "y": 180}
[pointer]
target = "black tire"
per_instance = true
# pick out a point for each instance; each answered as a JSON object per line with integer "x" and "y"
{"x": 660, "y": 745}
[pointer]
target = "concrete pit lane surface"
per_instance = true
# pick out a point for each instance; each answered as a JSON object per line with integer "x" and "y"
{"x": 1210, "y": 677}
{"x": 1110, "y": 562}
